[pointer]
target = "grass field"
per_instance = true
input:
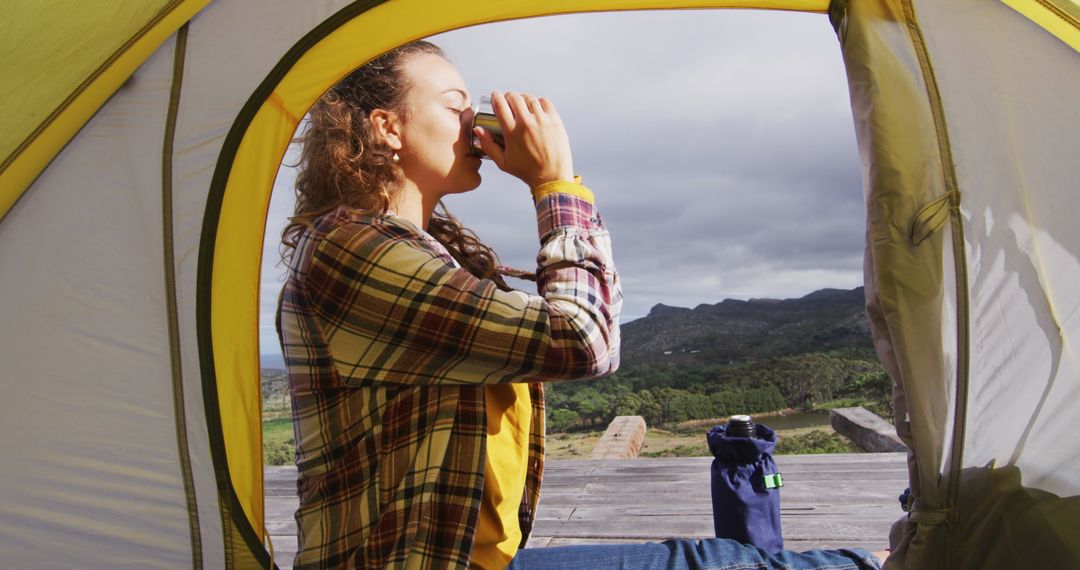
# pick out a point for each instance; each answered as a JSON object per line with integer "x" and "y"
{"x": 278, "y": 430}
{"x": 577, "y": 445}
{"x": 278, "y": 441}
{"x": 686, "y": 439}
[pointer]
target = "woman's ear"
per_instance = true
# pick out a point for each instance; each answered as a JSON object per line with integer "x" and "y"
{"x": 387, "y": 126}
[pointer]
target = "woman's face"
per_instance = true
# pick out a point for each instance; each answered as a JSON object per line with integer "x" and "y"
{"x": 435, "y": 129}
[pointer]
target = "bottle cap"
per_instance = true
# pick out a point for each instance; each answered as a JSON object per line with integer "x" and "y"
{"x": 740, "y": 426}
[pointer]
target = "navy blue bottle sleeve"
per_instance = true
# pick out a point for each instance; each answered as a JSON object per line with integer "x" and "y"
{"x": 746, "y": 488}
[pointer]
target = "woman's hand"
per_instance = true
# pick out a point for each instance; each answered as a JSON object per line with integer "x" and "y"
{"x": 537, "y": 148}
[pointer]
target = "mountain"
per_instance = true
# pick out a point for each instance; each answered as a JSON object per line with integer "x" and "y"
{"x": 740, "y": 331}
{"x": 711, "y": 361}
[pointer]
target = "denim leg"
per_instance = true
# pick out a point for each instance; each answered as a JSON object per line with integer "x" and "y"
{"x": 687, "y": 554}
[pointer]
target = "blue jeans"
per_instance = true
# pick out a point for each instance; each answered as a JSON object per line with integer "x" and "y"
{"x": 686, "y": 554}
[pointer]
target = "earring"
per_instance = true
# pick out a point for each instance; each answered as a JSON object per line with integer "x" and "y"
{"x": 395, "y": 158}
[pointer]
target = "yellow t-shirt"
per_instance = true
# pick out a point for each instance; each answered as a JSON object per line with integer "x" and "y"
{"x": 498, "y": 531}
{"x": 509, "y": 415}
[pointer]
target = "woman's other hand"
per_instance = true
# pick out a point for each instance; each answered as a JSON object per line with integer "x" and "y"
{"x": 537, "y": 147}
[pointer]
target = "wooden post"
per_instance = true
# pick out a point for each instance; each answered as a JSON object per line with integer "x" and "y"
{"x": 623, "y": 439}
{"x": 866, "y": 429}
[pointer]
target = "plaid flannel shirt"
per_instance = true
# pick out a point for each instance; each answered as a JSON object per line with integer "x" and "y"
{"x": 388, "y": 344}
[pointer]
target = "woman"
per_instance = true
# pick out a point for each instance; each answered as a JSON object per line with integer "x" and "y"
{"x": 414, "y": 369}
{"x": 399, "y": 335}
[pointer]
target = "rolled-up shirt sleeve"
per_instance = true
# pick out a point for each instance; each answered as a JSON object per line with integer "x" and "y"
{"x": 392, "y": 308}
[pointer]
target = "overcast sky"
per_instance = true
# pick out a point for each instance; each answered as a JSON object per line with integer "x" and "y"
{"x": 720, "y": 146}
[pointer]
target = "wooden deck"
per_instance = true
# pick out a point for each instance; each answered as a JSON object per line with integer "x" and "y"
{"x": 828, "y": 501}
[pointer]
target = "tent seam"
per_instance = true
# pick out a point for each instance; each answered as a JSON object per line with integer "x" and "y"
{"x": 227, "y": 531}
{"x": 961, "y": 278}
{"x": 77, "y": 92}
{"x": 179, "y": 408}
{"x": 233, "y": 516}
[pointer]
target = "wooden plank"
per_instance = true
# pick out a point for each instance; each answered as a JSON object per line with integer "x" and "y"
{"x": 790, "y": 496}
{"x": 828, "y": 501}
{"x": 611, "y": 524}
{"x": 796, "y": 545}
{"x": 284, "y": 550}
{"x": 601, "y": 513}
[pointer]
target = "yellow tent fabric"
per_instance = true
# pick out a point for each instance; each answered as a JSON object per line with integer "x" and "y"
{"x": 158, "y": 127}
{"x": 87, "y": 57}
{"x": 1059, "y": 17}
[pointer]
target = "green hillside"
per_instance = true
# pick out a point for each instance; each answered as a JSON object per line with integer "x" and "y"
{"x": 681, "y": 364}
{"x": 712, "y": 361}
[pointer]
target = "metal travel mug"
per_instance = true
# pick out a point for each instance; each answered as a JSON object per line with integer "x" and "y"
{"x": 484, "y": 117}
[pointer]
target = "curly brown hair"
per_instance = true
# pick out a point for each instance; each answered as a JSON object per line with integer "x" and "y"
{"x": 343, "y": 163}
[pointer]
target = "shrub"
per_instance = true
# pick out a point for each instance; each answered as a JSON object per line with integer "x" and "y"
{"x": 558, "y": 419}
{"x": 278, "y": 452}
{"x": 679, "y": 451}
{"x": 817, "y": 441}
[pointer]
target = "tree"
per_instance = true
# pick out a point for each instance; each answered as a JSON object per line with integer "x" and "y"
{"x": 726, "y": 403}
{"x": 592, "y": 405}
{"x": 650, "y": 408}
{"x": 807, "y": 377}
{"x": 628, "y": 404}
{"x": 559, "y": 419}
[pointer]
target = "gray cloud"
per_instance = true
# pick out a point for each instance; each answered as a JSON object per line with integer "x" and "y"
{"x": 719, "y": 143}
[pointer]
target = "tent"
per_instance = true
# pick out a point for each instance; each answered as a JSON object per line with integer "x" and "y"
{"x": 139, "y": 147}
